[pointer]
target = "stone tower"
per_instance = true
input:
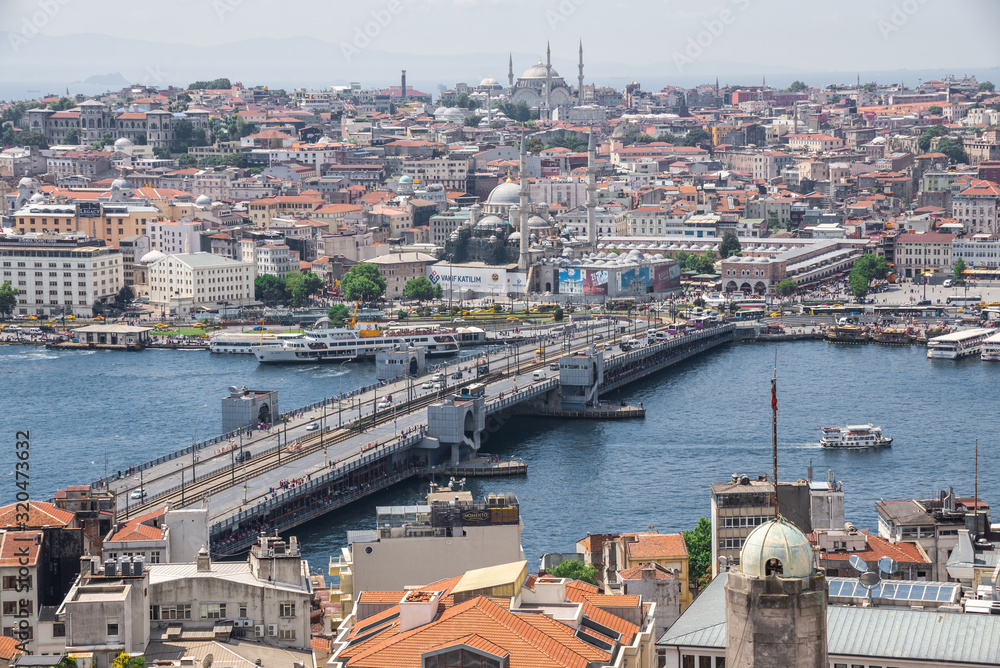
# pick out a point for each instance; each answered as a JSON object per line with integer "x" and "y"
{"x": 579, "y": 89}
{"x": 523, "y": 209}
{"x": 510, "y": 71}
{"x": 776, "y": 602}
{"x": 546, "y": 100}
{"x": 592, "y": 193}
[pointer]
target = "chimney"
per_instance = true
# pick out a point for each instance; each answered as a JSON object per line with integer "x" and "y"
{"x": 418, "y": 608}
{"x": 402, "y": 86}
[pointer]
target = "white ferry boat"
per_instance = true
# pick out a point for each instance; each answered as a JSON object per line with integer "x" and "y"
{"x": 958, "y": 344}
{"x": 245, "y": 343}
{"x": 325, "y": 343}
{"x": 854, "y": 436}
{"x": 991, "y": 349}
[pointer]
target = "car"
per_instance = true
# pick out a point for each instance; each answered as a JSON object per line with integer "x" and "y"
{"x": 457, "y": 375}
{"x": 312, "y": 426}
{"x": 383, "y": 405}
{"x": 459, "y": 320}
{"x": 258, "y": 328}
{"x": 598, "y": 336}
{"x": 554, "y": 366}
{"x": 428, "y": 385}
{"x": 438, "y": 386}
{"x": 924, "y": 302}
{"x": 437, "y": 377}
{"x": 138, "y": 494}
{"x": 243, "y": 456}
{"x": 512, "y": 319}
{"x": 539, "y": 351}
{"x": 948, "y": 282}
{"x": 537, "y": 376}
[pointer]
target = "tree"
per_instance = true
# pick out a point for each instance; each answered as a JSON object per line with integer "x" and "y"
{"x": 8, "y": 299}
{"x": 269, "y": 289}
{"x": 214, "y": 84}
{"x": 699, "y": 546}
{"x": 72, "y": 137}
{"x": 575, "y": 570}
{"x": 472, "y": 121}
{"x": 140, "y": 139}
{"x": 696, "y": 137}
{"x": 924, "y": 143}
{"x": 123, "y": 660}
{"x": 935, "y": 110}
{"x": 419, "y": 288}
{"x": 161, "y": 152}
{"x": 107, "y": 139}
{"x": 772, "y": 220}
{"x": 958, "y": 270}
{"x": 786, "y": 288}
{"x": 363, "y": 282}
{"x": 706, "y": 263}
{"x": 986, "y": 87}
{"x": 301, "y": 285}
{"x": 62, "y": 104}
{"x": 124, "y": 296}
{"x": 730, "y": 245}
{"x": 35, "y": 139}
{"x": 438, "y": 291}
{"x": 699, "y": 302}
{"x": 953, "y": 149}
{"x": 337, "y": 314}
{"x": 534, "y": 145}
{"x": 186, "y": 134}
{"x": 557, "y": 315}
{"x": 858, "y": 283}
{"x": 797, "y": 87}
{"x": 67, "y": 662}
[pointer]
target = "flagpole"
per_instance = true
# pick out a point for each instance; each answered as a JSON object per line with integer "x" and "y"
{"x": 774, "y": 431}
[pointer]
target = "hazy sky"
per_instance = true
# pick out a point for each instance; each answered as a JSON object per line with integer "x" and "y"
{"x": 812, "y": 36}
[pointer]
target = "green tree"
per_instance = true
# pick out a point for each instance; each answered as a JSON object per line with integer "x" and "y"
{"x": 301, "y": 285}
{"x": 706, "y": 263}
{"x": 34, "y": 139}
{"x": 214, "y": 84}
{"x": 924, "y": 143}
{"x": 870, "y": 267}
{"x": 13, "y": 113}
{"x": 269, "y": 289}
{"x": 62, "y": 104}
{"x": 730, "y": 245}
{"x": 958, "y": 270}
{"x": 557, "y": 315}
{"x": 699, "y": 302}
{"x": 953, "y": 149}
{"x": 534, "y": 145}
{"x": 338, "y": 314}
{"x": 575, "y": 570}
{"x": 985, "y": 87}
{"x": 497, "y": 308}
{"x": 858, "y": 283}
{"x": 419, "y": 288}
{"x": 772, "y": 220}
{"x": 8, "y": 299}
{"x": 666, "y": 137}
{"x": 786, "y": 288}
{"x": 161, "y": 152}
{"x": 472, "y": 121}
{"x": 696, "y": 137}
{"x": 72, "y": 137}
{"x": 125, "y": 296}
{"x": 107, "y": 139}
{"x": 438, "y": 291}
{"x": 935, "y": 110}
{"x": 67, "y": 662}
{"x": 140, "y": 139}
{"x": 797, "y": 87}
{"x": 123, "y": 660}
{"x": 699, "y": 546}
{"x": 186, "y": 135}
{"x": 363, "y": 282}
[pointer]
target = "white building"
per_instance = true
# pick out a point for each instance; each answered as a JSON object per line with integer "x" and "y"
{"x": 979, "y": 250}
{"x": 60, "y": 274}
{"x": 174, "y": 238}
{"x": 274, "y": 259}
{"x": 180, "y": 283}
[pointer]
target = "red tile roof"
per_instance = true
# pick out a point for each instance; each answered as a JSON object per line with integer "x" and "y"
{"x": 39, "y": 514}
{"x": 878, "y": 547}
{"x": 13, "y": 544}
{"x": 139, "y": 528}
{"x": 656, "y": 546}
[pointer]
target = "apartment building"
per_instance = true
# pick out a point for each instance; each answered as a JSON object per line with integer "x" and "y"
{"x": 180, "y": 283}
{"x": 450, "y": 173}
{"x": 923, "y": 251}
{"x": 173, "y": 238}
{"x": 978, "y": 207}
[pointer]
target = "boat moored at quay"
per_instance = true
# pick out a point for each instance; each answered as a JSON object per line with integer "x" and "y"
{"x": 245, "y": 343}
{"x": 958, "y": 344}
{"x": 991, "y": 349}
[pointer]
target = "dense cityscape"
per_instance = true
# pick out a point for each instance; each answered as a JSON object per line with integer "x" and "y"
{"x": 523, "y": 371}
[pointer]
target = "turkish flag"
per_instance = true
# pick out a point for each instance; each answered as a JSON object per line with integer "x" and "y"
{"x": 774, "y": 398}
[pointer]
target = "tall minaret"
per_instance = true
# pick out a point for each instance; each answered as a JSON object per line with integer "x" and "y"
{"x": 592, "y": 193}
{"x": 525, "y": 259}
{"x": 548, "y": 83}
{"x": 510, "y": 71}
{"x": 579, "y": 89}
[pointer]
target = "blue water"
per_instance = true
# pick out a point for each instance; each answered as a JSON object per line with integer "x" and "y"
{"x": 706, "y": 418}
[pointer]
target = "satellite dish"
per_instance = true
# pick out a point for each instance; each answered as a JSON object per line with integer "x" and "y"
{"x": 857, "y": 562}
{"x": 869, "y": 580}
{"x": 233, "y": 389}
{"x": 888, "y": 565}
{"x": 207, "y": 661}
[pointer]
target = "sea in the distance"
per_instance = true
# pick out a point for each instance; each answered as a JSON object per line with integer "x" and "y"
{"x": 706, "y": 418}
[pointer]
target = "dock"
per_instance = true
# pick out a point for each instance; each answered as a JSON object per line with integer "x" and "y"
{"x": 298, "y": 473}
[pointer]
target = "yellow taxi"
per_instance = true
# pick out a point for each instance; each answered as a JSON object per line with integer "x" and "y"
{"x": 99, "y": 318}
{"x": 512, "y": 319}
{"x": 31, "y": 317}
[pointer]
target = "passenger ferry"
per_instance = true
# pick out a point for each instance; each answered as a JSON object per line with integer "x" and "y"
{"x": 245, "y": 343}
{"x": 326, "y": 343}
{"x": 958, "y": 344}
{"x": 991, "y": 349}
{"x": 854, "y": 436}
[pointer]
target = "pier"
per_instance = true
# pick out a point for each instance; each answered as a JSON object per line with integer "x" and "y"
{"x": 296, "y": 472}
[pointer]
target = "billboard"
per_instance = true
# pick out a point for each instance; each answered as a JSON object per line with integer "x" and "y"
{"x": 634, "y": 281}
{"x": 88, "y": 209}
{"x": 666, "y": 276}
{"x": 595, "y": 282}
{"x": 485, "y": 281}
{"x": 583, "y": 282}
{"x": 571, "y": 281}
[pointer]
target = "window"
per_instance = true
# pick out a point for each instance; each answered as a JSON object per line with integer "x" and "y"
{"x": 10, "y": 607}
{"x": 58, "y": 630}
{"x": 286, "y": 634}
{"x": 287, "y": 609}
{"x": 213, "y": 610}
{"x": 704, "y": 662}
{"x": 10, "y": 582}
{"x": 112, "y": 627}
{"x": 687, "y": 661}
{"x": 720, "y": 662}
{"x": 243, "y": 610}
{"x": 175, "y": 611}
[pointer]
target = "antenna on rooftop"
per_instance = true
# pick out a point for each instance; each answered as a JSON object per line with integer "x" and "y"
{"x": 871, "y": 579}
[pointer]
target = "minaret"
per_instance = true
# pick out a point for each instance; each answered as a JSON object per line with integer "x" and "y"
{"x": 592, "y": 193}
{"x": 510, "y": 71}
{"x": 579, "y": 89}
{"x": 525, "y": 259}
{"x": 548, "y": 83}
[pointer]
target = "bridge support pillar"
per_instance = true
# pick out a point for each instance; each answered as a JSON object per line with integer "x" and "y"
{"x": 457, "y": 423}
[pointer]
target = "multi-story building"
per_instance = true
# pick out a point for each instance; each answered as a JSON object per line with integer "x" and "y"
{"x": 450, "y": 173}
{"x": 108, "y": 221}
{"x": 978, "y": 207}
{"x": 742, "y": 504}
{"x": 931, "y": 523}
{"x": 575, "y": 222}
{"x": 814, "y": 142}
{"x": 173, "y": 238}
{"x": 567, "y": 192}
{"x": 91, "y": 119}
{"x": 924, "y": 251}
{"x": 977, "y": 250}
{"x": 984, "y": 148}
{"x": 180, "y": 283}
{"x": 834, "y": 548}
{"x": 162, "y": 536}
{"x": 261, "y": 211}
{"x": 19, "y": 582}
{"x": 132, "y": 248}
{"x": 60, "y": 274}
{"x": 634, "y": 550}
{"x": 274, "y": 259}
{"x": 443, "y": 224}
{"x": 398, "y": 268}
{"x": 758, "y": 164}
{"x": 89, "y": 164}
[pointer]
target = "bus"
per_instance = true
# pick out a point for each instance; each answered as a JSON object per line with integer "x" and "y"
{"x": 975, "y": 300}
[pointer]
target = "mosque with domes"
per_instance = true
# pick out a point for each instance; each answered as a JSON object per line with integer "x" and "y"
{"x": 541, "y": 87}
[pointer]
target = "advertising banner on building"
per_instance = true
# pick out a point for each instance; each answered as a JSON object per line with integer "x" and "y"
{"x": 571, "y": 281}
{"x": 484, "y": 281}
{"x": 634, "y": 281}
{"x": 595, "y": 282}
{"x": 666, "y": 276}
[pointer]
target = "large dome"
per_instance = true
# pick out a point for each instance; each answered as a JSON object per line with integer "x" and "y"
{"x": 491, "y": 82}
{"x": 505, "y": 193}
{"x": 151, "y": 257}
{"x": 780, "y": 540}
{"x": 122, "y": 143}
{"x": 203, "y": 200}
{"x": 538, "y": 71}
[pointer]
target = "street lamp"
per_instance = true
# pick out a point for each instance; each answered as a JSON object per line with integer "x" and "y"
{"x": 194, "y": 444}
